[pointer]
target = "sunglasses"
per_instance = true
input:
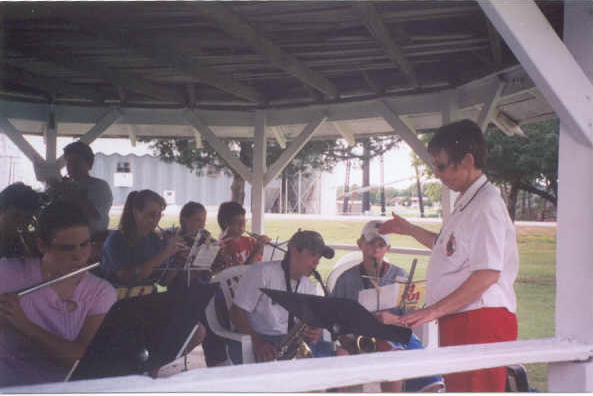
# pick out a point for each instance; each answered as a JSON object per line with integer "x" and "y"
{"x": 71, "y": 247}
{"x": 442, "y": 167}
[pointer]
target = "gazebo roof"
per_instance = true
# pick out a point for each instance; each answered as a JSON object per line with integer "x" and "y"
{"x": 291, "y": 58}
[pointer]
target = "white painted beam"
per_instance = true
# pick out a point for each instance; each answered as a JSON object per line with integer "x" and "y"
{"x": 51, "y": 136}
{"x": 505, "y": 124}
{"x": 101, "y": 125}
{"x": 222, "y": 149}
{"x": 17, "y": 138}
{"x": 294, "y": 147}
{"x": 548, "y": 62}
{"x": 108, "y": 119}
{"x": 404, "y": 131}
{"x": 322, "y": 373}
{"x": 278, "y": 134}
{"x": 574, "y": 268}
{"x": 345, "y": 129}
{"x": 258, "y": 191}
{"x": 489, "y": 107}
{"x": 198, "y": 140}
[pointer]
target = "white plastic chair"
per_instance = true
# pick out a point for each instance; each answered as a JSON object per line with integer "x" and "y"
{"x": 228, "y": 281}
{"x": 346, "y": 262}
{"x": 427, "y": 333}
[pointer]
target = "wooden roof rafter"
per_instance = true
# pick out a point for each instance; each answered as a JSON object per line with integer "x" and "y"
{"x": 375, "y": 25}
{"x": 170, "y": 57}
{"x": 242, "y": 30}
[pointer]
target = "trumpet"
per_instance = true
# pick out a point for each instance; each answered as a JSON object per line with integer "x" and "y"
{"x": 274, "y": 245}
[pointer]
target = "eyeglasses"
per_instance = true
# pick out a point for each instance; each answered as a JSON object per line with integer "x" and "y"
{"x": 71, "y": 247}
{"x": 441, "y": 167}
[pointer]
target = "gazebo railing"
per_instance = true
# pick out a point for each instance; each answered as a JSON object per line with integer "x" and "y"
{"x": 317, "y": 374}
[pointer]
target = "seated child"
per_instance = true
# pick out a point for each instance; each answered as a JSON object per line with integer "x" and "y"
{"x": 374, "y": 271}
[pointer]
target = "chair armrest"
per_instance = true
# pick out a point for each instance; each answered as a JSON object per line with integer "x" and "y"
{"x": 218, "y": 329}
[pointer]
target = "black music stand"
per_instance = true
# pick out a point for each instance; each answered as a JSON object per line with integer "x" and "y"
{"x": 145, "y": 332}
{"x": 338, "y": 315}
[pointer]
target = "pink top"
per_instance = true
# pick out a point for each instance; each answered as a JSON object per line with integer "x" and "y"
{"x": 23, "y": 362}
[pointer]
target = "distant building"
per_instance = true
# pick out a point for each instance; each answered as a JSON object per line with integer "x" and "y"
{"x": 178, "y": 184}
{"x": 175, "y": 182}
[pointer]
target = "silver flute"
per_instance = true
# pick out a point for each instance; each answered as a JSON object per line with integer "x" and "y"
{"x": 52, "y": 281}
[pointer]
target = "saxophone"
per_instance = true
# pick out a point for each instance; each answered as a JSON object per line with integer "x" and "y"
{"x": 293, "y": 345}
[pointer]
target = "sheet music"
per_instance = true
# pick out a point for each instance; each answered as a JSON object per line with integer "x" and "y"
{"x": 205, "y": 255}
{"x": 380, "y": 298}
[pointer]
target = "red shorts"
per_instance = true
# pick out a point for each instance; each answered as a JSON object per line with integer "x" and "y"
{"x": 478, "y": 326}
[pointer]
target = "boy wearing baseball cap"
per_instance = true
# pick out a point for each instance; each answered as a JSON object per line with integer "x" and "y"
{"x": 372, "y": 272}
{"x": 254, "y": 313}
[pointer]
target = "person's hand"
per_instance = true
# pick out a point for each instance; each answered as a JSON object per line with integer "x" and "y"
{"x": 311, "y": 334}
{"x": 416, "y": 318}
{"x": 11, "y": 311}
{"x": 387, "y": 317}
{"x": 260, "y": 242}
{"x": 264, "y": 352}
{"x": 396, "y": 225}
{"x": 176, "y": 244}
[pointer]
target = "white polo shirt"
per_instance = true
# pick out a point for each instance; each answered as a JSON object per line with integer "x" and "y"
{"x": 478, "y": 235}
{"x": 265, "y": 316}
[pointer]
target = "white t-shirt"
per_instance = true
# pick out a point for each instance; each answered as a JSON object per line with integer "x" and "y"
{"x": 478, "y": 235}
{"x": 264, "y": 316}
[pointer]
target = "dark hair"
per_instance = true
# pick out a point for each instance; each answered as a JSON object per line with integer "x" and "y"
{"x": 458, "y": 139}
{"x": 20, "y": 196}
{"x": 227, "y": 211}
{"x": 82, "y": 149}
{"x": 57, "y": 216}
{"x": 136, "y": 200}
{"x": 190, "y": 208}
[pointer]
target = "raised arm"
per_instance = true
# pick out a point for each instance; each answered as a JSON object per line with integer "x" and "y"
{"x": 144, "y": 269}
{"x": 399, "y": 225}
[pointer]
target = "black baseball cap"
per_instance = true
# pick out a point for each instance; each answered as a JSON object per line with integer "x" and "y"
{"x": 312, "y": 241}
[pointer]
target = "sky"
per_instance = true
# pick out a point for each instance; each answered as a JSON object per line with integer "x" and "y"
{"x": 397, "y": 161}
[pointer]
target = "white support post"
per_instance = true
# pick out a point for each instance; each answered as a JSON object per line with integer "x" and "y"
{"x": 132, "y": 134}
{"x": 232, "y": 161}
{"x": 294, "y": 147}
{"x": 449, "y": 114}
{"x": 51, "y": 136}
{"x": 548, "y": 62}
{"x": 258, "y": 192}
{"x": 574, "y": 247}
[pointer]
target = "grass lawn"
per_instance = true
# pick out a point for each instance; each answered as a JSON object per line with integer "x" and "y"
{"x": 535, "y": 286}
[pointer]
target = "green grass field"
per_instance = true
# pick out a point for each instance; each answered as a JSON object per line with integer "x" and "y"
{"x": 535, "y": 286}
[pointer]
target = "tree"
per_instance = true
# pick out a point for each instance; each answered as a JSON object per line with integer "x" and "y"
{"x": 525, "y": 163}
{"x": 315, "y": 155}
